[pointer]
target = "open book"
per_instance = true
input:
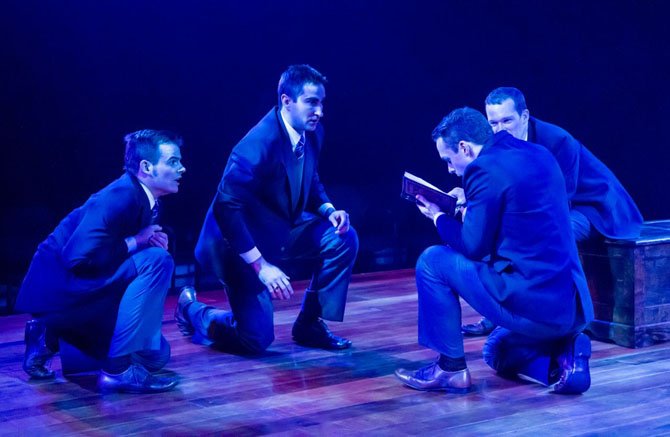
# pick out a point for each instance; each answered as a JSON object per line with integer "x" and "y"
{"x": 413, "y": 185}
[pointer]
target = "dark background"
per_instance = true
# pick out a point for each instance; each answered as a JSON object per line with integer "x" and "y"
{"x": 78, "y": 75}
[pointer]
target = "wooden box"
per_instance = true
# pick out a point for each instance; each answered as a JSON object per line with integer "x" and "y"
{"x": 629, "y": 281}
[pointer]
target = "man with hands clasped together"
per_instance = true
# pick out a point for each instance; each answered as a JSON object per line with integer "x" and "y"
{"x": 269, "y": 215}
{"x": 99, "y": 281}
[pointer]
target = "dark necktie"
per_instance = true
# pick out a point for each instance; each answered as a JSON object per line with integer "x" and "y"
{"x": 300, "y": 148}
{"x": 155, "y": 213}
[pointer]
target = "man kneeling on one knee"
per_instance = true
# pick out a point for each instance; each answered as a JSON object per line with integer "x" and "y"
{"x": 512, "y": 258}
{"x": 270, "y": 216}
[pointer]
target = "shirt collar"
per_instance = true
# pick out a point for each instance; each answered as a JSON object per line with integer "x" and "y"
{"x": 294, "y": 136}
{"x": 152, "y": 199}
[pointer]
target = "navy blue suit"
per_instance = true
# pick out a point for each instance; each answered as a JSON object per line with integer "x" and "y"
{"x": 81, "y": 272}
{"x": 592, "y": 188}
{"x": 268, "y": 198}
{"x": 513, "y": 258}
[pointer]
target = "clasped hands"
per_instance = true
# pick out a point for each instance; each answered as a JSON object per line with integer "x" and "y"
{"x": 430, "y": 210}
{"x": 152, "y": 236}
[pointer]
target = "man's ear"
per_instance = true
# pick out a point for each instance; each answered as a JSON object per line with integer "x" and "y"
{"x": 145, "y": 167}
{"x": 465, "y": 147}
{"x": 525, "y": 115}
{"x": 285, "y": 100}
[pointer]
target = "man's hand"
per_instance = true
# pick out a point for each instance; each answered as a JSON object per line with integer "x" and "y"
{"x": 459, "y": 194}
{"x": 151, "y": 236}
{"x": 461, "y": 201}
{"x": 428, "y": 209}
{"x": 340, "y": 220}
{"x": 277, "y": 283}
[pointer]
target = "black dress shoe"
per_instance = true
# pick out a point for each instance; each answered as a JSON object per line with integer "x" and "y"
{"x": 432, "y": 377}
{"x": 186, "y": 297}
{"x": 136, "y": 379}
{"x": 483, "y": 327}
{"x": 574, "y": 366}
{"x": 37, "y": 358}
{"x": 316, "y": 334}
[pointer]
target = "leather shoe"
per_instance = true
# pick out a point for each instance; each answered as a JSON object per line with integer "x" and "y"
{"x": 37, "y": 358}
{"x": 316, "y": 334}
{"x": 574, "y": 365}
{"x": 186, "y": 297}
{"x": 136, "y": 379}
{"x": 483, "y": 327}
{"x": 432, "y": 377}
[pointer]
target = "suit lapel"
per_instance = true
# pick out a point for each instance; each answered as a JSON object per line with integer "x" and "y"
{"x": 532, "y": 135}
{"x": 310, "y": 163}
{"x": 290, "y": 165}
{"x": 144, "y": 201}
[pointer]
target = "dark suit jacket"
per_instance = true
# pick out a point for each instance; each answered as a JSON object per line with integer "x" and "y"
{"x": 518, "y": 223}
{"x": 254, "y": 204}
{"x": 592, "y": 188}
{"x": 83, "y": 254}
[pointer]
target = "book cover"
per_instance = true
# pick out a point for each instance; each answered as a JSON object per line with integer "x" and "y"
{"x": 413, "y": 185}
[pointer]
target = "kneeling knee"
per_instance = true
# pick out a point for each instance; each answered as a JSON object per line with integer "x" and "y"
{"x": 158, "y": 258}
{"x": 257, "y": 344}
{"x": 495, "y": 354}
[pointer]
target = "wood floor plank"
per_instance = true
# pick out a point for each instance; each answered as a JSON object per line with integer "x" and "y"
{"x": 292, "y": 390}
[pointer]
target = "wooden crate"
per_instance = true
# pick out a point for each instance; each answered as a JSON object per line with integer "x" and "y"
{"x": 629, "y": 281}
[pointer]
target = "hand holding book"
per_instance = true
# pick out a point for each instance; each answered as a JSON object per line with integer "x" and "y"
{"x": 428, "y": 209}
{"x": 413, "y": 186}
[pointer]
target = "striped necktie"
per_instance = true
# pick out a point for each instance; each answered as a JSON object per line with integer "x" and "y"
{"x": 155, "y": 212}
{"x": 300, "y": 147}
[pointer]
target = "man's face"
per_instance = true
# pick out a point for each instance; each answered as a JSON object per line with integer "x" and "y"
{"x": 163, "y": 177}
{"x": 504, "y": 117}
{"x": 306, "y": 111}
{"x": 456, "y": 161}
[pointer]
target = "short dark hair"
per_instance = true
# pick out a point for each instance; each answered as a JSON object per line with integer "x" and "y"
{"x": 499, "y": 95}
{"x": 463, "y": 124}
{"x": 295, "y": 77}
{"x": 144, "y": 144}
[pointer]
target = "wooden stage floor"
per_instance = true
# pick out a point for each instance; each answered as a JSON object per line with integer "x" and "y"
{"x": 292, "y": 390}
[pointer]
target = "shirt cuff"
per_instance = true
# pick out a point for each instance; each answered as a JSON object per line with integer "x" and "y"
{"x": 131, "y": 242}
{"x": 251, "y": 255}
{"x": 324, "y": 209}
{"x": 437, "y": 216}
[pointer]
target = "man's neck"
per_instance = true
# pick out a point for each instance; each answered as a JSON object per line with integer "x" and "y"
{"x": 476, "y": 150}
{"x": 286, "y": 117}
{"x": 150, "y": 195}
{"x": 524, "y": 134}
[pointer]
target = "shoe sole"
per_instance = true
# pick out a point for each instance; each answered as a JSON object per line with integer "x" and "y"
{"x": 455, "y": 390}
{"x": 578, "y": 382}
{"x": 319, "y": 346}
{"x": 458, "y": 390}
{"x": 475, "y": 334}
{"x": 184, "y": 327}
{"x": 137, "y": 391}
{"x": 35, "y": 377}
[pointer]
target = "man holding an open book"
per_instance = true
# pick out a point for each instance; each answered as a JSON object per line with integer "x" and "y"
{"x": 508, "y": 258}
{"x": 600, "y": 207}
